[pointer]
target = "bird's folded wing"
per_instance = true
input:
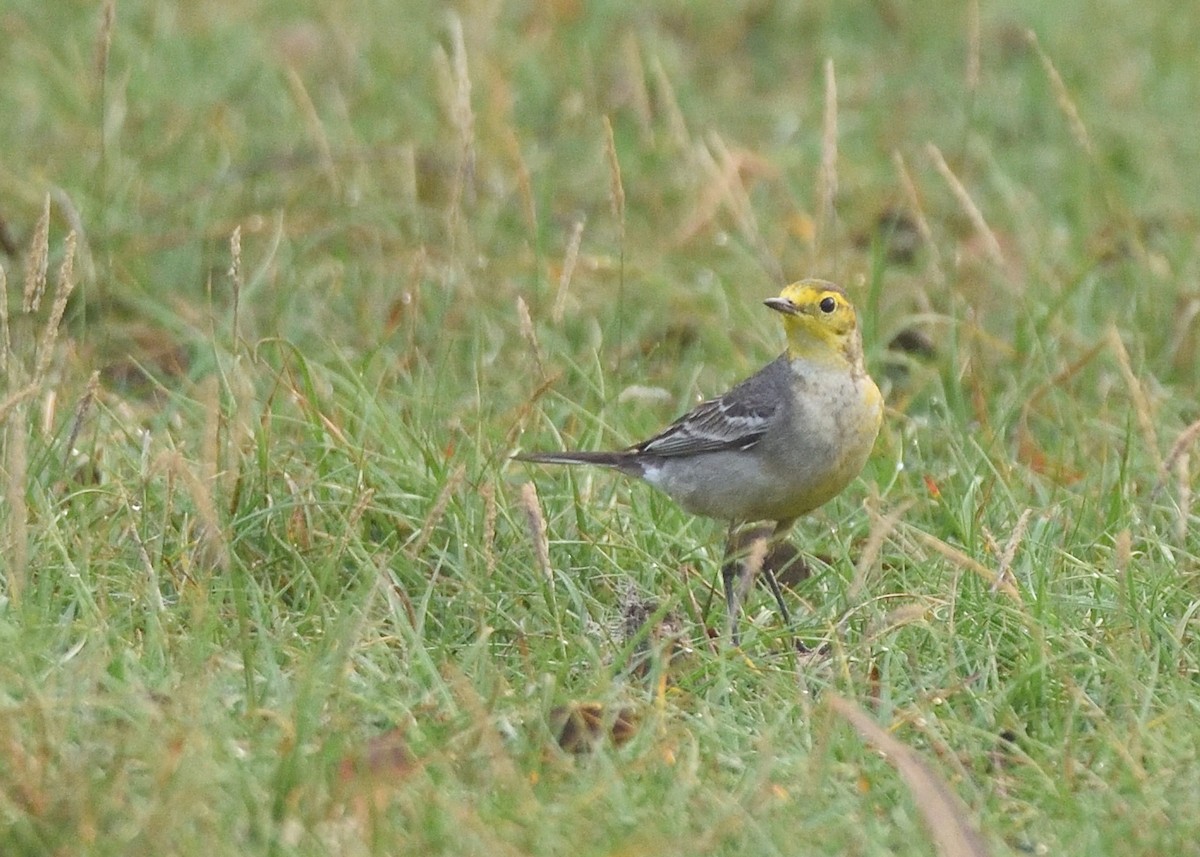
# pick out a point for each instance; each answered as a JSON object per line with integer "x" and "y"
{"x": 718, "y": 424}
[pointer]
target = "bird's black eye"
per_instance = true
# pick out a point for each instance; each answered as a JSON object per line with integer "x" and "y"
{"x": 828, "y": 305}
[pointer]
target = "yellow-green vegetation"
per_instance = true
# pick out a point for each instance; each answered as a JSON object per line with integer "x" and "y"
{"x": 287, "y": 284}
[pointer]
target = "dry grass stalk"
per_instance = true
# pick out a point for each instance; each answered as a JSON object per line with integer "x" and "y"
{"x": 81, "y": 411}
{"x": 316, "y": 128}
{"x": 1123, "y": 552}
{"x": 70, "y": 213}
{"x": 16, "y": 552}
{"x": 1056, "y": 382}
{"x": 37, "y": 262}
{"x": 827, "y": 177}
{"x": 299, "y": 525}
{"x": 15, "y": 399}
{"x": 704, "y": 210}
{"x": 461, "y": 114}
{"x": 1181, "y": 347}
{"x": 676, "y": 125}
{"x": 210, "y": 440}
{"x": 1180, "y": 447}
{"x": 108, "y": 17}
{"x": 5, "y": 331}
{"x": 235, "y": 278}
{"x": 1141, "y": 403}
{"x": 616, "y": 187}
{"x": 152, "y": 584}
{"x": 1004, "y": 576}
{"x": 918, "y": 212}
{"x": 240, "y": 429}
{"x": 965, "y": 562}
{"x": 144, "y": 460}
{"x": 358, "y": 510}
{"x": 408, "y": 174}
{"x": 1183, "y": 496}
{"x": 990, "y": 242}
{"x": 488, "y": 491}
{"x": 752, "y": 565}
{"x": 1065, "y": 103}
{"x": 529, "y": 333}
{"x": 989, "y": 541}
{"x": 49, "y": 411}
{"x": 733, "y": 165}
{"x": 945, "y": 815}
{"x": 62, "y": 292}
{"x": 737, "y": 200}
{"x": 972, "y": 82}
{"x": 696, "y": 610}
{"x": 212, "y": 549}
{"x": 523, "y": 411}
{"x": 882, "y": 526}
{"x": 639, "y": 93}
{"x": 536, "y": 523}
{"x": 616, "y": 196}
{"x": 312, "y": 410}
{"x": 1184, "y": 332}
{"x": 725, "y": 188}
{"x": 895, "y": 619}
{"x": 568, "y": 270}
{"x": 524, "y": 183}
{"x": 438, "y": 511}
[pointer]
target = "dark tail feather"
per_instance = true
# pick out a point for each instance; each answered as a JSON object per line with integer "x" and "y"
{"x": 604, "y": 459}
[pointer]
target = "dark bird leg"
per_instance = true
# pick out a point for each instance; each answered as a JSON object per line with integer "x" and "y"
{"x": 781, "y": 530}
{"x": 750, "y": 552}
{"x": 729, "y": 576}
{"x": 777, "y": 591}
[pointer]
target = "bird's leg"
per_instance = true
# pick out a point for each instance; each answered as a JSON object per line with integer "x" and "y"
{"x": 777, "y": 591}
{"x": 729, "y": 576}
{"x": 746, "y": 553}
{"x": 781, "y": 529}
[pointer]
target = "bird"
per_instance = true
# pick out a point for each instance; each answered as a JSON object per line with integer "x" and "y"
{"x": 776, "y": 446}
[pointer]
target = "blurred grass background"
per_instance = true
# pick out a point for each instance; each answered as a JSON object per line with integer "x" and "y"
{"x": 271, "y": 584}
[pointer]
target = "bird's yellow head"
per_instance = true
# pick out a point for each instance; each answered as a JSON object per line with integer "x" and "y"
{"x": 819, "y": 320}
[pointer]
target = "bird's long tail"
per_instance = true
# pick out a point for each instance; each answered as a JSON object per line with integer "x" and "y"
{"x": 604, "y": 459}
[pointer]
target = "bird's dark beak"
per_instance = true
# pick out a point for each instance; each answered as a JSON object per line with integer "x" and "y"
{"x": 782, "y": 305}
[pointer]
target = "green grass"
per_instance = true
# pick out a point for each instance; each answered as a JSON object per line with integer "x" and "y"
{"x": 286, "y": 523}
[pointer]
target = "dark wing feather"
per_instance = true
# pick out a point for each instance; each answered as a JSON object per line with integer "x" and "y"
{"x": 737, "y": 420}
